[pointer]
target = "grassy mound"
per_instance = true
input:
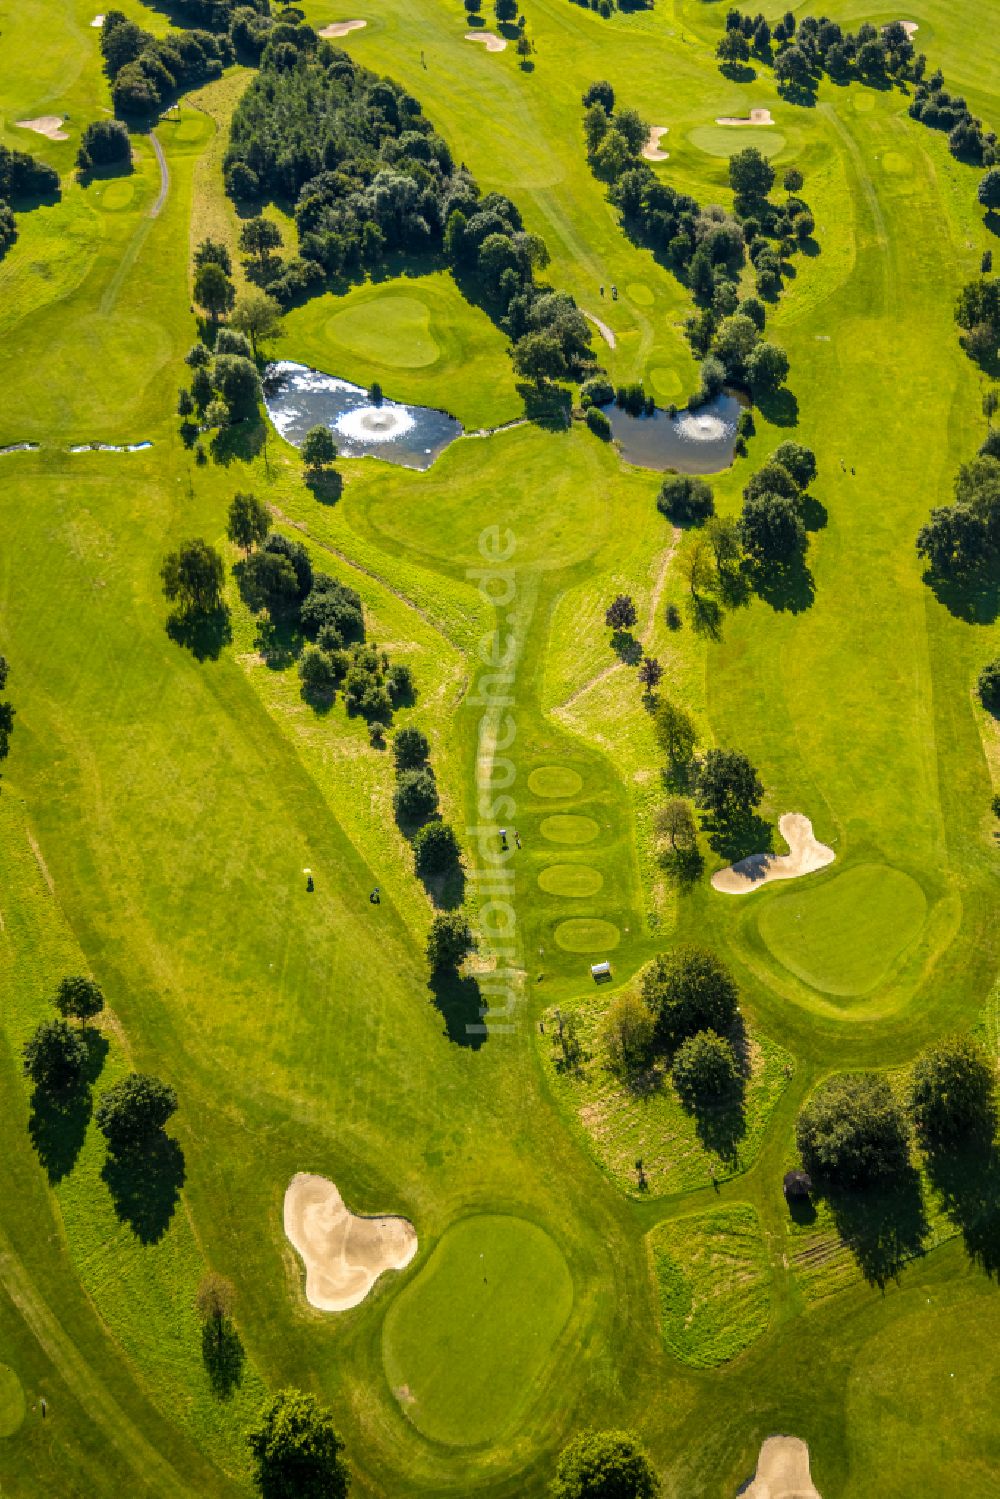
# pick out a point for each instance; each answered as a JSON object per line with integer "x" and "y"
{"x": 712, "y": 1275}
{"x": 470, "y": 1338}
{"x": 845, "y": 935}
{"x": 573, "y": 880}
{"x": 587, "y": 934}
{"x": 555, "y": 780}
{"x": 569, "y": 828}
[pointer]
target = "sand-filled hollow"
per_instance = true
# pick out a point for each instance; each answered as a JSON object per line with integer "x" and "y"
{"x": 340, "y": 28}
{"x": 806, "y": 855}
{"x": 490, "y": 42}
{"x": 755, "y": 117}
{"x": 782, "y": 1471}
{"x": 344, "y": 1254}
{"x": 651, "y": 150}
{"x": 51, "y": 126}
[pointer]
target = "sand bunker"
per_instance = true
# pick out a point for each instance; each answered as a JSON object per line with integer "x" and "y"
{"x": 340, "y": 28}
{"x": 48, "y": 125}
{"x": 344, "y": 1254}
{"x": 909, "y": 27}
{"x": 782, "y": 1472}
{"x": 807, "y": 855}
{"x": 490, "y": 42}
{"x": 97, "y": 21}
{"x": 651, "y": 150}
{"x": 755, "y": 117}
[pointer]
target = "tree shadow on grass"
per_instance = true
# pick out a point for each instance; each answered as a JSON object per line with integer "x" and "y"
{"x": 976, "y": 599}
{"x": 57, "y": 1123}
{"x": 626, "y": 647}
{"x": 145, "y": 1186}
{"x": 223, "y": 1355}
{"x": 446, "y": 887}
{"x": 240, "y": 443}
{"x": 685, "y": 865}
{"x": 460, "y": 1001}
{"x": 279, "y": 640}
{"x": 706, "y": 616}
{"x": 550, "y": 407}
{"x": 202, "y": 632}
{"x": 884, "y": 1226}
{"x": 788, "y": 588}
{"x": 326, "y": 485}
{"x": 738, "y": 837}
{"x": 968, "y": 1181}
{"x": 779, "y": 407}
{"x": 738, "y": 72}
{"x": 814, "y": 513}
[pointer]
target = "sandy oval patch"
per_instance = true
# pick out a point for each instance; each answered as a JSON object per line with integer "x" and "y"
{"x": 651, "y": 150}
{"x": 574, "y": 881}
{"x": 340, "y": 28}
{"x": 570, "y": 828}
{"x": 755, "y": 117}
{"x": 587, "y": 934}
{"x": 806, "y": 856}
{"x": 491, "y": 42}
{"x": 555, "y": 780}
{"x": 12, "y": 1402}
{"x": 51, "y": 126}
{"x": 782, "y": 1471}
{"x": 344, "y": 1254}
{"x": 909, "y": 27}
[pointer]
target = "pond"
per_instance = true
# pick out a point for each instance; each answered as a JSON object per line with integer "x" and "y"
{"x": 298, "y": 398}
{"x": 693, "y": 442}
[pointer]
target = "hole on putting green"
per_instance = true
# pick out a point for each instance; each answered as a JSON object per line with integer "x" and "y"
{"x": 555, "y": 781}
{"x": 573, "y": 880}
{"x": 845, "y": 936}
{"x": 471, "y": 1335}
{"x": 569, "y": 827}
{"x": 587, "y": 934}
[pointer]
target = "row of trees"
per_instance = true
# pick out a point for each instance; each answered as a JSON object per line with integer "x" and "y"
{"x": 147, "y": 71}
{"x": 436, "y": 849}
{"x": 960, "y": 541}
{"x": 23, "y": 181}
{"x": 7, "y": 711}
{"x": 855, "y": 1131}
{"x": 977, "y": 313}
{"x": 369, "y": 178}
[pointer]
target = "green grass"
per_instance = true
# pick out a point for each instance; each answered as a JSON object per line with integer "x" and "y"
{"x": 587, "y": 934}
{"x": 12, "y": 1402}
{"x": 174, "y": 803}
{"x": 846, "y": 935}
{"x": 713, "y": 1278}
{"x": 466, "y": 1345}
{"x": 726, "y": 140}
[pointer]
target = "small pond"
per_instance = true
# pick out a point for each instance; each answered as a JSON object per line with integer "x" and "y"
{"x": 298, "y": 398}
{"x": 693, "y": 442}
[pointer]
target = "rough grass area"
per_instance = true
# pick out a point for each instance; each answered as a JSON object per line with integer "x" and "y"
{"x": 643, "y": 1119}
{"x": 714, "y": 1284}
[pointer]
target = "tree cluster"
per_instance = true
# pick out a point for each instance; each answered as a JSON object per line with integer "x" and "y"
{"x": 961, "y": 541}
{"x": 104, "y": 143}
{"x": 977, "y": 313}
{"x": 147, "y": 71}
{"x": 772, "y": 529}
{"x": 56, "y": 1055}
{"x": 436, "y": 849}
{"x": 7, "y": 711}
{"x": 855, "y": 1132}
{"x": 369, "y": 178}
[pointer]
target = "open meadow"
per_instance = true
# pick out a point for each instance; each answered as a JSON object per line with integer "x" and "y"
{"x": 181, "y": 819}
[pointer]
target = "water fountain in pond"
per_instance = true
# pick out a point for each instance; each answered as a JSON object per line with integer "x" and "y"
{"x": 298, "y": 398}
{"x": 702, "y": 441}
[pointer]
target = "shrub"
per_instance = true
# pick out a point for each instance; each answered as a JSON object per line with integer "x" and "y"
{"x": 103, "y": 143}
{"x": 55, "y": 1056}
{"x": 399, "y": 682}
{"x": 598, "y": 423}
{"x": 448, "y": 941}
{"x": 132, "y": 1111}
{"x": 627, "y": 1032}
{"x": 952, "y": 1092}
{"x": 435, "y": 848}
{"x": 988, "y": 686}
{"x": 316, "y": 670}
{"x": 410, "y": 748}
{"x": 685, "y": 500}
{"x": 597, "y": 391}
{"x": 604, "y": 1465}
{"x": 416, "y": 795}
{"x": 852, "y": 1132}
{"x": 79, "y": 997}
{"x": 296, "y": 1451}
{"x": 704, "y": 1068}
{"x": 688, "y": 991}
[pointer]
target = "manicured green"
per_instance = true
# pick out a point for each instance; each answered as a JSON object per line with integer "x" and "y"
{"x": 713, "y": 1278}
{"x": 587, "y": 934}
{"x": 576, "y": 880}
{"x": 846, "y": 934}
{"x": 555, "y": 781}
{"x": 12, "y": 1402}
{"x": 467, "y": 1344}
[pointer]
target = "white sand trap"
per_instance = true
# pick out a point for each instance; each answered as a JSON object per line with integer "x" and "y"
{"x": 490, "y": 42}
{"x": 340, "y": 28}
{"x": 909, "y": 27}
{"x": 755, "y": 117}
{"x": 782, "y": 1472}
{"x": 807, "y": 855}
{"x": 97, "y": 21}
{"x": 48, "y": 125}
{"x": 651, "y": 150}
{"x": 344, "y": 1254}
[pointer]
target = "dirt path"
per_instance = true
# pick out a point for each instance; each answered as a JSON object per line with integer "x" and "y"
{"x": 602, "y": 328}
{"x": 161, "y": 196}
{"x": 644, "y": 638}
